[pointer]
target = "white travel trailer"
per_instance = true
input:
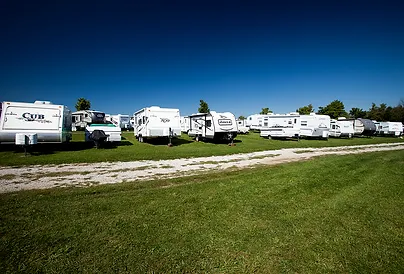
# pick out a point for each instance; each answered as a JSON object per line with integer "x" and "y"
{"x": 41, "y": 122}
{"x": 314, "y": 126}
{"x": 242, "y": 126}
{"x": 281, "y": 125}
{"x": 184, "y": 121}
{"x": 153, "y": 122}
{"x": 121, "y": 120}
{"x": 213, "y": 125}
{"x": 82, "y": 118}
{"x": 389, "y": 128}
{"x": 255, "y": 121}
{"x": 342, "y": 128}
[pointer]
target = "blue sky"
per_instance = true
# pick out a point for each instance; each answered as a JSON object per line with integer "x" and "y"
{"x": 238, "y": 56}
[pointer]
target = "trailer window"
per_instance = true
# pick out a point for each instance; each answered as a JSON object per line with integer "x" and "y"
{"x": 208, "y": 123}
{"x": 139, "y": 121}
{"x": 144, "y": 119}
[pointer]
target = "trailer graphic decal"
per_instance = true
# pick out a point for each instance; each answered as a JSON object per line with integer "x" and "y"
{"x": 29, "y": 117}
{"x": 224, "y": 122}
{"x": 165, "y": 120}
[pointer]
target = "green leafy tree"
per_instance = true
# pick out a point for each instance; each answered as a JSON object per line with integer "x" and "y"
{"x": 305, "y": 110}
{"x": 203, "y": 107}
{"x": 357, "y": 113}
{"x": 83, "y": 104}
{"x": 377, "y": 112}
{"x": 241, "y": 117}
{"x": 265, "y": 111}
{"x": 334, "y": 109}
{"x": 397, "y": 113}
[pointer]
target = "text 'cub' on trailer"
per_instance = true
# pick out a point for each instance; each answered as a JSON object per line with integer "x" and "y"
{"x": 213, "y": 125}
{"x": 38, "y": 122}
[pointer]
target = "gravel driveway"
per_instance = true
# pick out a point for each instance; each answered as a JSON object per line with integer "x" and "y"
{"x": 49, "y": 176}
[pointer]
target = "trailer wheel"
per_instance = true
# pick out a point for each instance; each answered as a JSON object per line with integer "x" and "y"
{"x": 140, "y": 138}
{"x": 350, "y": 135}
{"x": 197, "y": 138}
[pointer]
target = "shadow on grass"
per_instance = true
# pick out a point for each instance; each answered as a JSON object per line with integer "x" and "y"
{"x": 165, "y": 141}
{"x": 218, "y": 142}
{"x": 51, "y": 148}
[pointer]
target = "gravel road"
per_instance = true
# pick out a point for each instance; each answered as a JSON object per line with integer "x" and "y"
{"x": 81, "y": 175}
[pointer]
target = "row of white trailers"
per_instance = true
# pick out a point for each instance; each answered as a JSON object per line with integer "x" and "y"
{"x": 294, "y": 125}
{"x": 153, "y": 122}
{"x": 44, "y": 122}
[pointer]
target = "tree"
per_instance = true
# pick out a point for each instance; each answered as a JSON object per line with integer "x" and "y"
{"x": 376, "y": 113}
{"x": 83, "y": 104}
{"x": 203, "y": 107}
{"x": 241, "y": 117}
{"x": 397, "y": 113}
{"x": 305, "y": 110}
{"x": 265, "y": 111}
{"x": 334, "y": 109}
{"x": 357, "y": 113}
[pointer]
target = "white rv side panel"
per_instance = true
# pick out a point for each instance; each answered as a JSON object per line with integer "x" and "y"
{"x": 51, "y": 123}
{"x": 153, "y": 122}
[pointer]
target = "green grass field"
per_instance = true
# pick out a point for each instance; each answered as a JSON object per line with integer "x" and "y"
{"x": 334, "y": 214}
{"x": 130, "y": 149}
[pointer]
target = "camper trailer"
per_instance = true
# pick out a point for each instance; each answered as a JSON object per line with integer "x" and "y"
{"x": 364, "y": 127}
{"x": 389, "y": 128}
{"x": 184, "y": 121}
{"x": 314, "y": 126}
{"x": 342, "y": 128}
{"x": 154, "y": 122}
{"x": 214, "y": 125}
{"x": 281, "y": 125}
{"x": 242, "y": 126}
{"x": 121, "y": 120}
{"x": 100, "y": 133}
{"x": 82, "y": 118}
{"x": 41, "y": 122}
{"x": 97, "y": 126}
{"x": 255, "y": 121}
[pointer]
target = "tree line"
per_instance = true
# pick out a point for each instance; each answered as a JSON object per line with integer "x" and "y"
{"x": 381, "y": 113}
{"x": 335, "y": 109}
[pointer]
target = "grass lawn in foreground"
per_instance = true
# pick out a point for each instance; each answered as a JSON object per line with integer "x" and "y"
{"x": 131, "y": 150}
{"x": 331, "y": 214}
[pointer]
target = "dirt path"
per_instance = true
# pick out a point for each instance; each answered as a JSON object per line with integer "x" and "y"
{"x": 42, "y": 177}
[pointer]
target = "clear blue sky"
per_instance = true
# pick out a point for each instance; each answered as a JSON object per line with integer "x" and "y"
{"x": 238, "y": 56}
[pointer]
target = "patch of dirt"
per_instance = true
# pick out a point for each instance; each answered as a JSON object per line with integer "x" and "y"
{"x": 12, "y": 179}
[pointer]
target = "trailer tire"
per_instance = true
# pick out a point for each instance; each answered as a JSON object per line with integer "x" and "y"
{"x": 197, "y": 138}
{"x": 350, "y": 135}
{"x": 140, "y": 138}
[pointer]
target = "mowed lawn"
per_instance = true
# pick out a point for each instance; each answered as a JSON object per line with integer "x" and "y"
{"x": 332, "y": 214}
{"x": 131, "y": 150}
